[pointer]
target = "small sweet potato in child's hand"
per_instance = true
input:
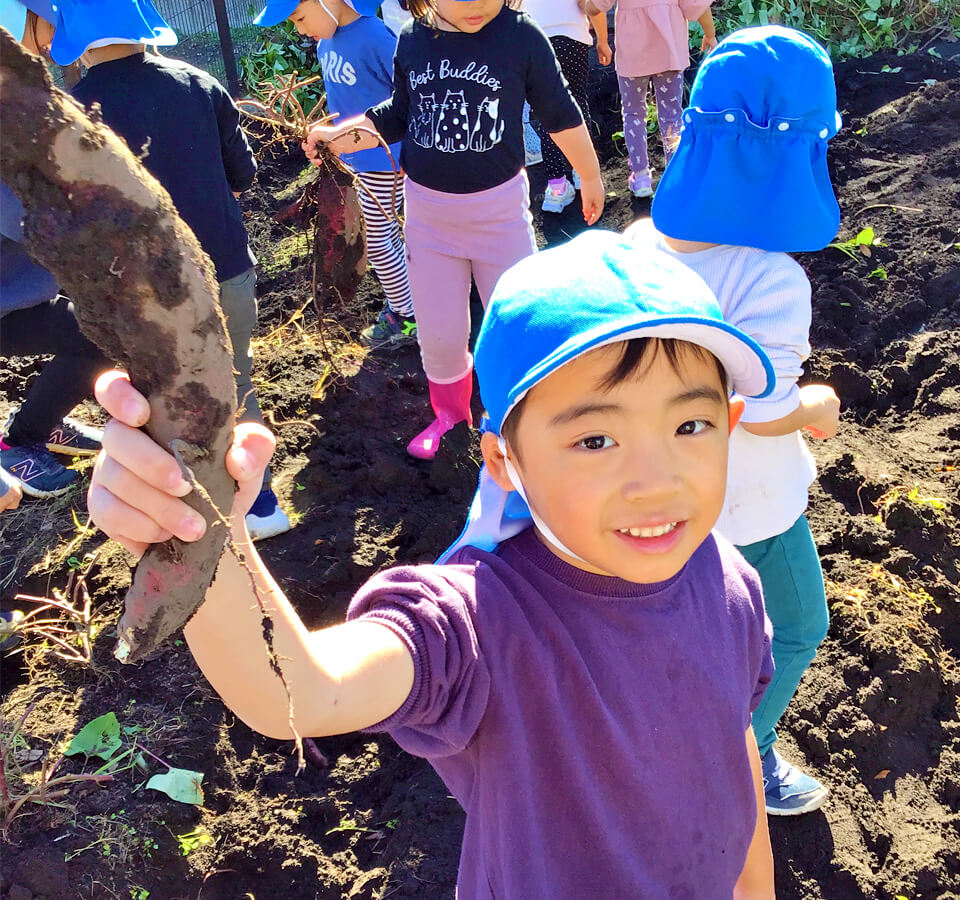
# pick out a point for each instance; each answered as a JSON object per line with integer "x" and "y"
{"x": 146, "y": 293}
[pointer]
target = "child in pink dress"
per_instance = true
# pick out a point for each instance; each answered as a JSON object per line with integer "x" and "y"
{"x": 651, "y": 47}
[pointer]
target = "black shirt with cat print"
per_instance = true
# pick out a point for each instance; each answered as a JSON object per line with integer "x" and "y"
{"x": 458, "y": 101}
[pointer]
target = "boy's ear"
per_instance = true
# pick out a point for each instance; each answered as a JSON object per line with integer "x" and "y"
{"x": 737, "y": 406}
{"x": 494, "y": 460}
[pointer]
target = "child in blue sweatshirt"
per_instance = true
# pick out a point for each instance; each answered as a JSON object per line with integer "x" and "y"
{"x": 355, "y": 50}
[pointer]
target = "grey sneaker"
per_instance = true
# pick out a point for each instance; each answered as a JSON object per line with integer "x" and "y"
{"x": 558, "y": 197}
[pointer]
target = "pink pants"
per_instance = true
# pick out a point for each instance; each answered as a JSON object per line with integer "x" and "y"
{"x": 449, "y": 238}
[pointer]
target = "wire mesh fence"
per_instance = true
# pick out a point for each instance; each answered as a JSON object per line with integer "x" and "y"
{"x": 195, "y": 23}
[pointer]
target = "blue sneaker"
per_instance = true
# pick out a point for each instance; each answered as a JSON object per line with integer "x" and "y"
{"x": 73, "y": 438}
{"x": 70, "y": 437}
{"x": 266, "y": 519}
{"x": 787, "y": 790}
{"x": 389, "y": 329}
{"x": 36, "y": 470}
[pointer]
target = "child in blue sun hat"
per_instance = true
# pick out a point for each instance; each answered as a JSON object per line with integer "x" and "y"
{"x": 639, "y": 639}
{"x": 749, "y": 184}
{"x": 762, "y": 108}
{"x": 185, "y": 128}
{"x": 86, "y": 24}
{"x": 35, "y": 319}
{"x": 355, "y": 50}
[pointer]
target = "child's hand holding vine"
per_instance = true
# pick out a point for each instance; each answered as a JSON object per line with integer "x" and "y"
{"x": 354, "y": 134}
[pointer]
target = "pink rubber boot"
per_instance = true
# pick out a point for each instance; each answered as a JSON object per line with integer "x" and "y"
{"x": 451, "y": 405}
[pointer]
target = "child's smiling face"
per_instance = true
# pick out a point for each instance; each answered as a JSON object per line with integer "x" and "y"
{"x": 632, "y": 477}
{"x": 312, "y": 20}
{"x": 468, "y": 15}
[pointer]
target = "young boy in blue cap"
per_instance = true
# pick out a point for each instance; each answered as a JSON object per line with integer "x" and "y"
{"x": 36, "y": 319}
{"x": 187, "y": 131}
{"x": 749, "y": 184}
{"x": 355, "y": 50}
{"x": 580, "y": 671}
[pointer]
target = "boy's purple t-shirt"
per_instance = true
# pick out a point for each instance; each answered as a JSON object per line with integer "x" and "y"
{"x": 593, "y": 729}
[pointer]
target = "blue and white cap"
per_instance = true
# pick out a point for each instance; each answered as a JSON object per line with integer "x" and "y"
{"x": 93, "y": 23}
{"x": 553, "y": 307}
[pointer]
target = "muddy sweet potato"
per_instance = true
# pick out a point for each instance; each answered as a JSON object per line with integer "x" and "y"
{"x": 146, "y": 293}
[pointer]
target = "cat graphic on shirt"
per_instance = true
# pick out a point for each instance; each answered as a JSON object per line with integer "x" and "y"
{"x": 488, "y": 130}
{"x": 422, "y": 127}
{"x": 453, "y": 124}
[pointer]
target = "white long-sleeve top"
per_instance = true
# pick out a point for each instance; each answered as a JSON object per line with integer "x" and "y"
{"x": 767, "y": 296}
{"x": 560, "y": 18}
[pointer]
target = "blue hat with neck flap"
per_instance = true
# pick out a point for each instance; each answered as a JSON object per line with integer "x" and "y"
{"x": 85, "y": 23}
{"x": 751, "y": 166}
{"x": 556, "y": 305}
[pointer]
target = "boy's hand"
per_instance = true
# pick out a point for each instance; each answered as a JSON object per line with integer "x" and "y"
{"x": 136, "y": 485}
{"x": 592, "y": 197}
{"x": 823, "y": 410}
{"x": 604, "y": 53}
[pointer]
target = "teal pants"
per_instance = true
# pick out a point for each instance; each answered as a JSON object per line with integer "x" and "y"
{"x": 796, "y": 603}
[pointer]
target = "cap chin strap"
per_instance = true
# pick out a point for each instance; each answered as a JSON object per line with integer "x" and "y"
{"x": 542, "y": 526}
{"x": 326, "y": 9}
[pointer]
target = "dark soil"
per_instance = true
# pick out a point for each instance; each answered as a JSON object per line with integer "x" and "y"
{"x": 877, "y": 715}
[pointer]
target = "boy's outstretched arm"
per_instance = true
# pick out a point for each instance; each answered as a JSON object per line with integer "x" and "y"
{"x": 756, "y": 879}
{"x": 818, "y": 413}
{"x": 576, "y": 146}
{"x": 341, "y": 679}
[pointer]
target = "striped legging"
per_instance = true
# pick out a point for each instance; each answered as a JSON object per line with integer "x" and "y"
{"x": 385, "y": 248}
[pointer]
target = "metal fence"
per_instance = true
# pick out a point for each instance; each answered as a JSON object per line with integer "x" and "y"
{"x": 213, "y": 34}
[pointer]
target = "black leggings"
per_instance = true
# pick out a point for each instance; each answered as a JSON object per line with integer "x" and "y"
{"x": 574, "y": 59}
{"x": 63, "y": 382}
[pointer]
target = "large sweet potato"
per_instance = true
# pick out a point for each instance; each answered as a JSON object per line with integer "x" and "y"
{"x": 146, "y": 293}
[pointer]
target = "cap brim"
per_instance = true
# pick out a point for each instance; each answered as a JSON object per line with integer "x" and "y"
{"x": 275, "y": 13}
{"x": 749, "y": 371}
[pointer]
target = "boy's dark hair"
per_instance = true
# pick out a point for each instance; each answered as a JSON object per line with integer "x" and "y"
{"x": 634, "y": 352}
{"x": 425, "y": 10}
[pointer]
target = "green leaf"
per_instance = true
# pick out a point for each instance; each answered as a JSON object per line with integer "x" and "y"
{"x": 865, "y": 237}
{"x": 181, "y": 785}
{"x": 101, "y": 737}
{"x": 873, "y": 4}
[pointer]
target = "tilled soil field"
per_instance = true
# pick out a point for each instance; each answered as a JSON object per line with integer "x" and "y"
{"x": 876, "y": 717}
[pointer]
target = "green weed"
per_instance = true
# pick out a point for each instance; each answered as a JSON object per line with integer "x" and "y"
{"x": 859, "y": 245}
{"x": 845, "y": 27}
